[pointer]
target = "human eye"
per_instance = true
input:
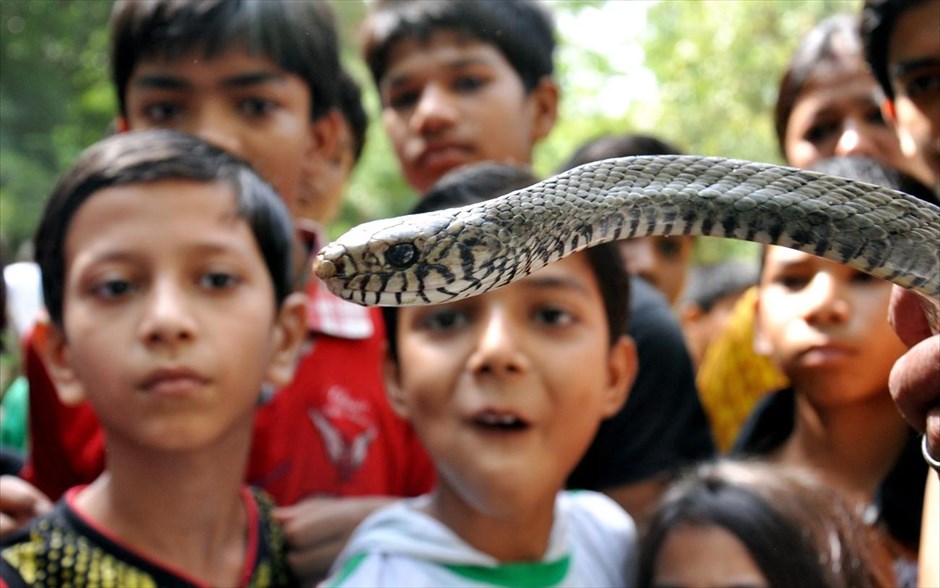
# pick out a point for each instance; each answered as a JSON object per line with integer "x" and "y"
{"x": 858, "y": 277}
{"x": 553, "y": 316}
{"x": 668, "y": 248}
{"x": 873, "y": 115}
{"x": 161, "y": 112}
{"x": 792, "y": 281}
{"x": 468, "y": 83}
{"x": 218, "y": 280}
{"x": 821, "y": 131}
{"x": 257, "y": 107}
{"x": 111, "y": 288}
{"x": 921, "y": 85}
{"x": 402, "y": 99}
{"x": 444, "y": 320}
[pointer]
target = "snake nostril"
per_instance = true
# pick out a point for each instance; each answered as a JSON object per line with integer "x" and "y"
{"x": 401, "y": 255}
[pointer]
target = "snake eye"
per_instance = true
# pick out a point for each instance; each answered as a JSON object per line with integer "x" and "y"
{"x": 401, "y": 255}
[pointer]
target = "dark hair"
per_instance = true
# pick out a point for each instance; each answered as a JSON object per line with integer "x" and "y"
{"x": 522, "y": 30}
{"x": 147, "y": 156}
{"x": 832, "y": 40}
{"x": 871, "y": 171}
{"x": 711, "y": 282}
{"x": 878, "y": 20}
{"x": 298, "y": 36}
{"x": 350, "y": 105}
{"x": 607, "y": 146}
{"x": 475, "y": 183}
{"x": 797, "y": 531}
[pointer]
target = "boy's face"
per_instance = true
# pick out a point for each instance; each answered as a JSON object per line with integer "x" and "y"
{"x": 244, "y": 104}
{"x": 507, "y": 389}
{"x": 826, "y": 326}
{"x": 170, "y": 325}
{"x": 914, "y": 68}
{"x": 453, "y": 100}
{"x": 662, "y": 261}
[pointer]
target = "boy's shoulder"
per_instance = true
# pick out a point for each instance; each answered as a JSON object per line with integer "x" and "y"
{"x": 63, "y": 548}
{"x": 592, "y": 543}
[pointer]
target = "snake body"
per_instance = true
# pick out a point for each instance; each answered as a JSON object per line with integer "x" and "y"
{"x": 452, "y": 254}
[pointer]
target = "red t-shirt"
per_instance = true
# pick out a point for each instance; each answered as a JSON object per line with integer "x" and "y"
{"x": 331, "y": 432}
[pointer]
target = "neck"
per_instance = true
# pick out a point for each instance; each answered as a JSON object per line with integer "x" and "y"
{"x": 182, "y": 509}
{"x": 507, "y": 532}
{"x": 851, "y": 446}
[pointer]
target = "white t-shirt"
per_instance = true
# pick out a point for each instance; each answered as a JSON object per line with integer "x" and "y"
{"x": 592, "y": 543}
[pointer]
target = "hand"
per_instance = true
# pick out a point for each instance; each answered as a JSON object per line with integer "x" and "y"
{"x": 20, "y": 501}
{"x": 915, "y": 377}
{"x": 317, "y": 529}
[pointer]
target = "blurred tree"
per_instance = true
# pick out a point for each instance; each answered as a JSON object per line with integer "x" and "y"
{"x": 54, "y": 100}
{"x": 714, "y": 64}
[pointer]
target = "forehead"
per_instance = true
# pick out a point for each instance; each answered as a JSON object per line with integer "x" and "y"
{"x": 234, "y": 65}
{"x": 178, "y": 210}
{"x": 915, "y": 33}
{"x": 442, "y": 49}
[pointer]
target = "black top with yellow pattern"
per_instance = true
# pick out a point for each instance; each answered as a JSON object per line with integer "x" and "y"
{"x": 64, "y": 548}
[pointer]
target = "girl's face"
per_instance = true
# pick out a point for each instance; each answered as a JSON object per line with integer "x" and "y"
{"x": 705, "y": 556}
{"x": 838, "y": 113}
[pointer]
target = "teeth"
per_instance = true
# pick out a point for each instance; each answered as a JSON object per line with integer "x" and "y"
{"x": 498, "y": 419}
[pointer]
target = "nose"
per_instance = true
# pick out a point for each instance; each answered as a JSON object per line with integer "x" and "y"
{"x": 168, "y": 319}
{"x": 499, "y": 349}
{"x": 212, "y": 124}
{"x": 853, "y": 140}
{"x": 435, "y": 111}
{"x": 825, "y": 301}
{"x": 640, "y": 257}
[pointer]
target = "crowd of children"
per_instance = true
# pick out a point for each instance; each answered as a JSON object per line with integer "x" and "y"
{"x": 202, "y": 412}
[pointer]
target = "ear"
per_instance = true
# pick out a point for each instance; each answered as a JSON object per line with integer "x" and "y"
{"x": 391, "y": 372}
{"x": 621, "y": 369}
{"x": 54, "y": 350}
{"x": 290, "y": 331}
{"x": 120, "y": 125}
{"x": 762, "y": 344}
{"x": 544, "y": 102}
{"x": 324, "y": 137}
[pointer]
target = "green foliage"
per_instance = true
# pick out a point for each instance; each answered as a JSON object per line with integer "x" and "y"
{"x": 54, "y": 99}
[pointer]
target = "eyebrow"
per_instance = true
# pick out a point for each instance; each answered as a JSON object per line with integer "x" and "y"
{"x": 463, "y": 62}
{"x": 171, "y": 82}
{"x": 556, "y": 282}
{"x": 903, "y": 68}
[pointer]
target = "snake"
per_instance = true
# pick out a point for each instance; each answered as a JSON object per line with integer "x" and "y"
{"x": 446, "y": 255}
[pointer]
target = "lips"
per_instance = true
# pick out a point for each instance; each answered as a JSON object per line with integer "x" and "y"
{"x": 826, "y": 353}
{"x": 173, "y": 382}
{"x": 499, "y": 420}
{"x": 443, "y": 157}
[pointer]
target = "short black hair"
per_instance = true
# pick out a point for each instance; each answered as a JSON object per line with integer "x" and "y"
{"x": 147, "y": 156}
{"x": 877, "y": 26}
{"x": 300, "y": 37}
{"x": 625, "y": 145}
{"x": 797, "y": 531}
{"x": 709, "y": 283}
{"x": 478, "y": 182}
{"x": 350, "y": 106}
{"x": 522, "y": 30}
{"x": 831, "y": 40}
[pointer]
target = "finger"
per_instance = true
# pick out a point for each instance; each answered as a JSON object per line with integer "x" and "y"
{"x": 914, "y": 381}
{"x": 906, "y": 314}
{"x": 18, "y": 495}
{"x": 933, "y": 432}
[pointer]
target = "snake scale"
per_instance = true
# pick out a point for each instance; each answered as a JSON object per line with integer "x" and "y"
{"x": 451, "y": 254}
